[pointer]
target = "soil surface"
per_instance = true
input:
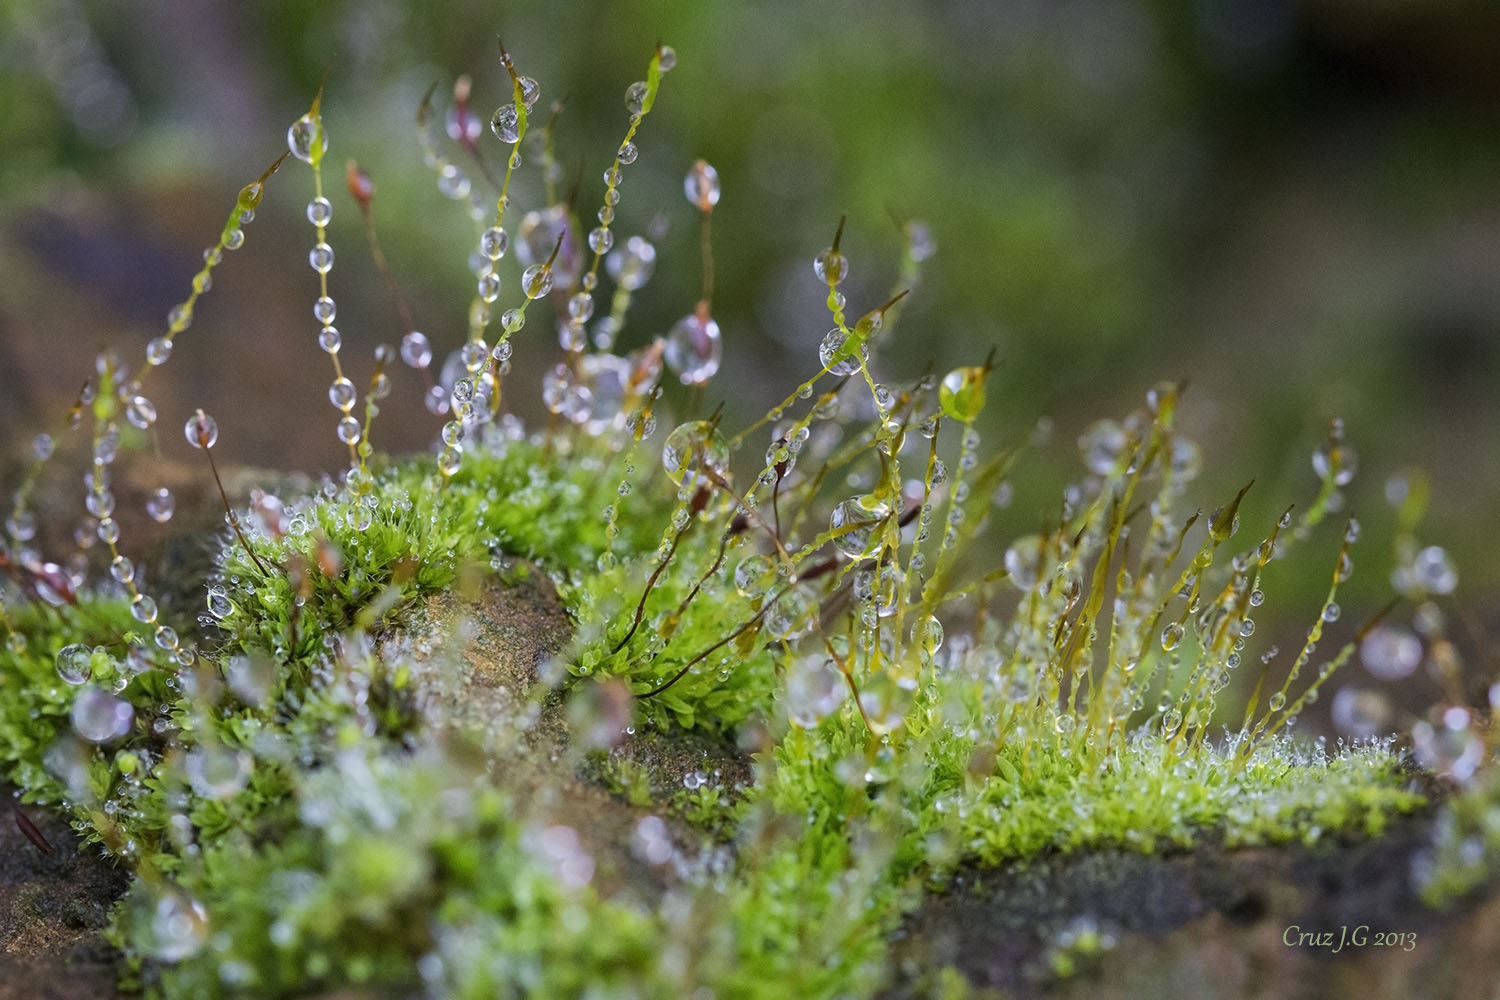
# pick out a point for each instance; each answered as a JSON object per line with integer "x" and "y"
{"x": 1326, "y": 922}
{"x": 52, "y": 910}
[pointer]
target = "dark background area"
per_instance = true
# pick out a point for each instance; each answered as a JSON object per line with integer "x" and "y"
{"x": 1293, "y": 205}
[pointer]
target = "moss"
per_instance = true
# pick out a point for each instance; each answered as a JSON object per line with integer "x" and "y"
{"x": 382, "y": 765}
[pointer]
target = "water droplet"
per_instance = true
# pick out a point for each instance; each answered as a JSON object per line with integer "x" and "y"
{"x": 143, "y": 609}
{"x": 1361, "y": 713}
{"x": 100, "y": 717}
{"x": 73, "y": 663}
{"x": 1277, "y": 701}
{"x": 219, "y": 604}
{"x": 218, "y": 772}
{"x": 839, "y": 356}
{"x": 601, "y": 239}
{"x": 693, "y": 446}
{"x": 961, "y": 393}
{"x": 1030, "y": 561}
{"x": 854, "y": 522}
{"x": 831, "y": 267}
{"x": 635, "y": 97}
{"x": 1171, "y": 636}
{"x": 320, "y": 211}
{"x": 536, "y": 281}
{"x": 791, "y": 613}
{"x": 201, "y": 430}
{"x": 1452, "y": 749}
{"x": 307, "y": 139}
{"x": 1337, "y": 461}
{"x": 488, "y": 286}
{"x": 324, "y": 310}
{"x": 341, "y": 393}
{"x": 1331, "y": 612}
{"x": 506, "y": 124}
{"x": 158, "y": 351}
{"x": 1103, "y": 445}
{"x": 631, "y": 265}
{"x": 1390, "y": 652}
{"x": 1432, "y": 570}
{"x": 178, "y": 928}
{"x": 161, "y": 505}
{"x": 320, "y": 258}
{"x": 702, "y": 186}
{"x": 416, "y": 350}
{"x": 694, "y": 348}
{"x": 140, "y": 412}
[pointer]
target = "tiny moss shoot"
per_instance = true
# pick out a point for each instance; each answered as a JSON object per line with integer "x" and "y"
{"x": 805, "y": 701}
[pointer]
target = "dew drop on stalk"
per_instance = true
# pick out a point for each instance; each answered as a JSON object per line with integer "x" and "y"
{"x": 536, "y": 281}
{"x": 201, "y": 430}
{"x": 601, "y": 239}
{"x": 694, "y": 348}
{"x": 754, "y": 575}
{"x": 853, "y": 522}
{"x": 928, "y": 636}
{"x": 837, "y": 356}
{"x": 1171, "y": 636}
{"x": 320, "y": 211}
{"x": 100, "y": 717}
{"x": 506, "y": 124}
{"x": 158, "y": 351}
{"x": 341, "y": 393}
{"x": 219, "y": 604}
{"x": 74, "y": 663}
{"x": 693, "y": 446}
{"x": 307, "y": 138}
{"x": 488, "y": 286}
{"x": 961, "y": 393}
{"x": 320, "y": 258}
{"x": 143, "y": 609}
{"x": 831, "y": 267}
{"x": 1337, "y": 461}
{"x": 702, "y": 186}
{"x": 635, "y": 97}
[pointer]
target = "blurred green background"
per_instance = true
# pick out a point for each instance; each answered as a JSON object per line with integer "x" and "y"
{"x": 1293, "y": 205}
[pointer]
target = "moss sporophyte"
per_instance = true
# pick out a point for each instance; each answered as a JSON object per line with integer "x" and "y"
{"x": 382, "y": 753}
